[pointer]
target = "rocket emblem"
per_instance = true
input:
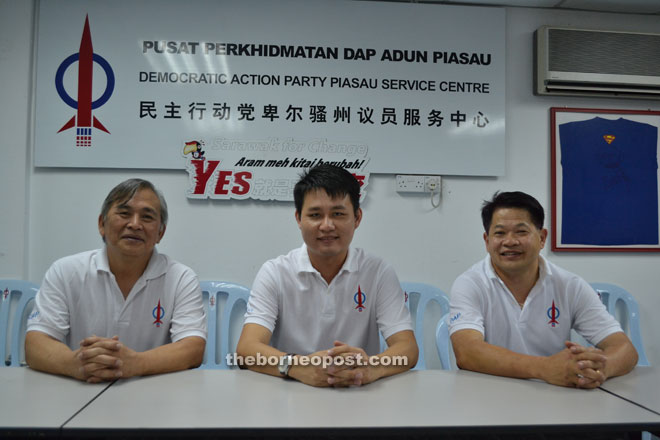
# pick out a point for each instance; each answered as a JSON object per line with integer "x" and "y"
{"x": 359, "y": 298}
{"x": 553, "y": 314}
{"x": 83, "y": 120}
{"x": 158, "y": 312}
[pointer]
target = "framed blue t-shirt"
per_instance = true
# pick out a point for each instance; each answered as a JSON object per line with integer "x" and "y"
{"x": 609, "y": 185}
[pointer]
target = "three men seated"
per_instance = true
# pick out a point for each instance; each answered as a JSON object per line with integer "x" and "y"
{"x": 126, "y": 310}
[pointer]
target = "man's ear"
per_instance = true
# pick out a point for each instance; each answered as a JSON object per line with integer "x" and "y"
{"x": 544, "y": 236}
{"x": 101, "y": 227}
{"x": 161, "y": 232}
{"x": 297, "y": 215}
{"x": 358, "y": 217}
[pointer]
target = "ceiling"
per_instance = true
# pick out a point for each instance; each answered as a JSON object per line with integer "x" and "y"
{"x": 621, "y": 6}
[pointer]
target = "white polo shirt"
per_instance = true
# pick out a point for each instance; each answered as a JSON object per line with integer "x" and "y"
{"x": 305, "y": 314}
{"x": 79, "y": 297}
{"x": 558, "y": 302}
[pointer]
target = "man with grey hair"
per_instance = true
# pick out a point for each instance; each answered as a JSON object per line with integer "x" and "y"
{"x": 124, "y": 310}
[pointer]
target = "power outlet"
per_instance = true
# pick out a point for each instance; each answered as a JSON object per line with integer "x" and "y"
{"x": 417, "y": 183}
{"x": 432, "y": 184}
{"x": 410, "y": 183}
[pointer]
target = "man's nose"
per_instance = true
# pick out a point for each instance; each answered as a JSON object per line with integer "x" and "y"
{"x": 327, "y": 223}
{"x": 134, "y": 221}
{"x": 510, "y": 240}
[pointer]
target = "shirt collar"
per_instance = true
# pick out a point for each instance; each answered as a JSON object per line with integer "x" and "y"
{"x": 305, "y": 264}
{"x": 544, "y": 269}
{"x": 156, "y": 267}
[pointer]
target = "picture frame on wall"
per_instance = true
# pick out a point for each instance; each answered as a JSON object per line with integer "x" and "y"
{"x": 604, "y": 172}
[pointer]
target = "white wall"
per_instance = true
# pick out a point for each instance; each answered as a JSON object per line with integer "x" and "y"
{"x": 15, "y": 63}
{"x": 49, "y": 213}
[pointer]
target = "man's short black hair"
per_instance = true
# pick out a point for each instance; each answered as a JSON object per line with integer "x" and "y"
{"x": 514, "y": 199}
{"x": 334, "y": 180}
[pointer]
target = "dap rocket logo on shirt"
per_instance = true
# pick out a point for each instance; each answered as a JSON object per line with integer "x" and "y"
{"x": 360, "y": 299}
{"x": 158, "y": 313}
{"x": 83, "y": 119}
{"x": 553, "y": 314}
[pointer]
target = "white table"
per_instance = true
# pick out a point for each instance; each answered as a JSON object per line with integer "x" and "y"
{"x": 433, "y": 400}
{"x": 642, "y": 386}
{"x": 40, "y": 402}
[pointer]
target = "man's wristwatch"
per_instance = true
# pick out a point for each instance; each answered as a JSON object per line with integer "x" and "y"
{"x": 285, "y": 364}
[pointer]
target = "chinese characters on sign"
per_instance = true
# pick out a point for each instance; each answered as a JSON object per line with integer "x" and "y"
{"x": 291, "y": 83}
{"x": 315, "y": 114}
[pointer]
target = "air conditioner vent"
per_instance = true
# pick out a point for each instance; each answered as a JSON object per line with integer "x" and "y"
{"x": 597, "y": 63}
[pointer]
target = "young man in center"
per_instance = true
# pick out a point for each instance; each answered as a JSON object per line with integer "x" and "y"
{"x": 326, "y": 300}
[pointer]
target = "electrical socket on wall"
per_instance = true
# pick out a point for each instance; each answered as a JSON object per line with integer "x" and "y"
{"x": 417, "y": 183}
{"x": 432, "y": 184}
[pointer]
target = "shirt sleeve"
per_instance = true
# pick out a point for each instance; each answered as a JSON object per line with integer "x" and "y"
{"x": 392, "y": 314}
{"x": 465, "y": 306}
{"x": 263, "y": 306}
{"x": 592, "y": 320}
{"x": 188, "y": 318}
{"x": 51, "y": 314}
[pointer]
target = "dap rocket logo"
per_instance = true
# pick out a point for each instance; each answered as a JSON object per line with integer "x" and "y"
{"x": 158, "y": 313}
{"x": 83, "y": 120}
{"x": 360, "y": 298}
{"x": 553, "y": 314}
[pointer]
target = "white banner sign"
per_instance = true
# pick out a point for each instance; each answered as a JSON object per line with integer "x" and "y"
{"x": 406, "y": 88}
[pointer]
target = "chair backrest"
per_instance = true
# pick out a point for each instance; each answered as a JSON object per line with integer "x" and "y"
{"x": 443, "y": 342}
{"x": 16, "y": 303}
{"x": 421, "y": 299}
{"x": 225, "y": 305}
{"x": 621, "y": 304}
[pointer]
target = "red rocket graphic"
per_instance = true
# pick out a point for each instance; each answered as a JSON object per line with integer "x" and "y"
{"x": 83, "y": 120}
{"x": 553, "y": 314}
{"x": 158, "y": 313}
{"x": 359, "y": 299}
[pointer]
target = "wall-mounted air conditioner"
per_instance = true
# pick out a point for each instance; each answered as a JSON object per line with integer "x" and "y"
{"x": 596, "y": 63}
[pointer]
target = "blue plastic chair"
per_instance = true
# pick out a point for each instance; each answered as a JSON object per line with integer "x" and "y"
{"x": 222, "y": 301}
{"x": 12, "y": 331}
{"x": 614, "y": 296}
{"x": 443, "y": 342}
{"x": 419, "y": 298}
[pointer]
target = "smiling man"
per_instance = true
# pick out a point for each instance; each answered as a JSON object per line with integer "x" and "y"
{"x": 123, "y": 310}
{"x": 512, "y": 313}
{"x": 319, "y": 309}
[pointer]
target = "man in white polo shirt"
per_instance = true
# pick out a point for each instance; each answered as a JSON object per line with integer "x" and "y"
{"x": 123, "y": 310}
{"x": 512, "y": 313}
{"x": 326, "y": 300}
